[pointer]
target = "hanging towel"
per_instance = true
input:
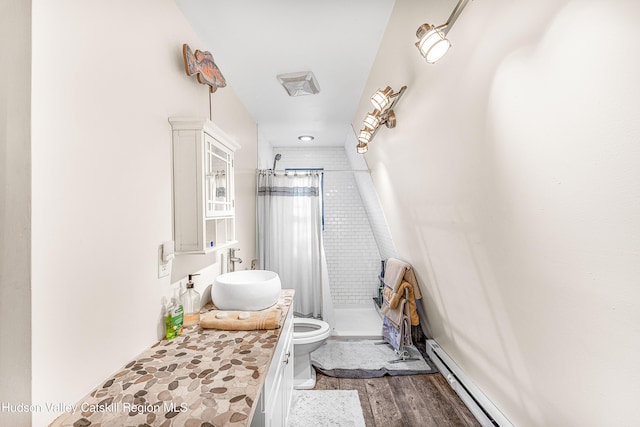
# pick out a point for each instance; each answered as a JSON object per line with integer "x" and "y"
{"x": 391, "y": 333}
{"x": 392, "y": 306}
{"x": 394, "y": 273}
{"x": 397, "y": 271}
{"x": 393, "y": 314}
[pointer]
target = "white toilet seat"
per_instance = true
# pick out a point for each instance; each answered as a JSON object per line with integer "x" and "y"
{"x": 320, "y": 331}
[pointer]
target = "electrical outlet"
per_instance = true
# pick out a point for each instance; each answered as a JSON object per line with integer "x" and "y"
{"x": 164, "y": 268}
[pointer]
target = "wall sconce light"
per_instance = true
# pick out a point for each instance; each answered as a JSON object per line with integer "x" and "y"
{"x": 432, "y": 44}
{"x": 372, "y": 120}
{"x": 362, "y": 148}
{"x": 365, "y": 136}
{"x": 383, "y": 102}
{"x": 381, "y": 98}
{"x": 432, "y": 41}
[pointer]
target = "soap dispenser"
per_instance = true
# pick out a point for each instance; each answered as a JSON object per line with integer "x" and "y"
{"x": 174, "y": 317}
{"x": 191, "y": 303}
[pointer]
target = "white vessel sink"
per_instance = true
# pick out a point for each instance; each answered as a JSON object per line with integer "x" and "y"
{"x": 248, "y": 290}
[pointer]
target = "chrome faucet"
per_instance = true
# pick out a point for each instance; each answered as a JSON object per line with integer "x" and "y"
{"x": 233, "y": 259}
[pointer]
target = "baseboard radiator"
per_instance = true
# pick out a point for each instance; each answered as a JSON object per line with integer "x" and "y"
{"x": 480, "y": 406}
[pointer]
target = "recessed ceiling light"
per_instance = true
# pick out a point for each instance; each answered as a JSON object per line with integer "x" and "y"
{"x": 305, "y": 138}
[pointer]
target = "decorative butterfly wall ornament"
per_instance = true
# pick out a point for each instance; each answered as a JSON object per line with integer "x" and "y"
{"x": 203, "y": 66}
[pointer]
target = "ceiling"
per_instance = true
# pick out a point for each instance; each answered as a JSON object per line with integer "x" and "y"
{"x": 252, "y": 41}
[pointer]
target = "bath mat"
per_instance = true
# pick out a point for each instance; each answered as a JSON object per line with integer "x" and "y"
{"x": 366, "y": 359}
{"x": 326, "y": 408}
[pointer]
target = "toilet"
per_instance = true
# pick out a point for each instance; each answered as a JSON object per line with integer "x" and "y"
{"x": 308, "y": 335}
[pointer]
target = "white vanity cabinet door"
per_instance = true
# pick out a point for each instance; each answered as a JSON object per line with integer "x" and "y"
{"x": 275, "y": 398}
{"x": 203, "y": 186}
{"x": 287, "y": 382}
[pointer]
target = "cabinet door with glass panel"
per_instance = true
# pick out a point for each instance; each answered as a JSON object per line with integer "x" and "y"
{"x": 203, "y": 191}
{"x": 218, "y": 178}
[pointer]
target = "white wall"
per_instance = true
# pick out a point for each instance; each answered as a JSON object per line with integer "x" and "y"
{"x": 511, "y": 184}
{"x": 15, "y": 207}
{"x": 371, "y": 201}
{"x": 106, "y": 76}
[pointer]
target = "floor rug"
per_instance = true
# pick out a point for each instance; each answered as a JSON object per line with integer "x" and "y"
{"x": 326, "y": 408}
{"x": 366, "y": 359}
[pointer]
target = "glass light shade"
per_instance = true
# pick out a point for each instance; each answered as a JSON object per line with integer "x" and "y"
{"x": 433, "y": 45}
{"x": 365, "y": 136}
{"x": 372, "y": 121}
{"x": 382, "y": 98}
{"x": 362, "y": 148}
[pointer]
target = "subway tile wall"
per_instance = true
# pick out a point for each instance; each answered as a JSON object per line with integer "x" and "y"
{"x": 353, "y": 259}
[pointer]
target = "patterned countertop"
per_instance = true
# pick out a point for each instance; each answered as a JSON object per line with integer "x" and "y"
{"x": 204, "y": 378}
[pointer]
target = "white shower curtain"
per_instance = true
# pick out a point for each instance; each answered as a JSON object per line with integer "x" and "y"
{"x": 290, "y": 237}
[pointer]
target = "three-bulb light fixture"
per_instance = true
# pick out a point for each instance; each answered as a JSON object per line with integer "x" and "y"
{"x": 432, "y": 41}
{"x": 383, "y": 102}
{"x": 432, "y": 45}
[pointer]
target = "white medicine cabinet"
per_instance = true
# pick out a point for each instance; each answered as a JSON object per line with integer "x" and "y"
{"x": 203, "y": 186}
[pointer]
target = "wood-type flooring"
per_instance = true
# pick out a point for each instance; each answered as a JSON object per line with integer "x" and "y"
{"x": 405, "y": 401}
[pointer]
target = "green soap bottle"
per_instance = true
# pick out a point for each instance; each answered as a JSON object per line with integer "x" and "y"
{"x": 174, "y": 318}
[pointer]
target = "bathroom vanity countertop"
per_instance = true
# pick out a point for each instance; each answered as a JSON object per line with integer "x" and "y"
{"x": 205, "y": 377}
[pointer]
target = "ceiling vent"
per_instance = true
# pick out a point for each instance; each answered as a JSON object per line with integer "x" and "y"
{"x": 298, "y": 84}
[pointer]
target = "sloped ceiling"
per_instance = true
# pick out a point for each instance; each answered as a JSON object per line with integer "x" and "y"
{"x": 253, "y": 41}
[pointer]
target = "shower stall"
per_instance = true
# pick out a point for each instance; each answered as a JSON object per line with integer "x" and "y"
{"x": 351, "y": 245}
